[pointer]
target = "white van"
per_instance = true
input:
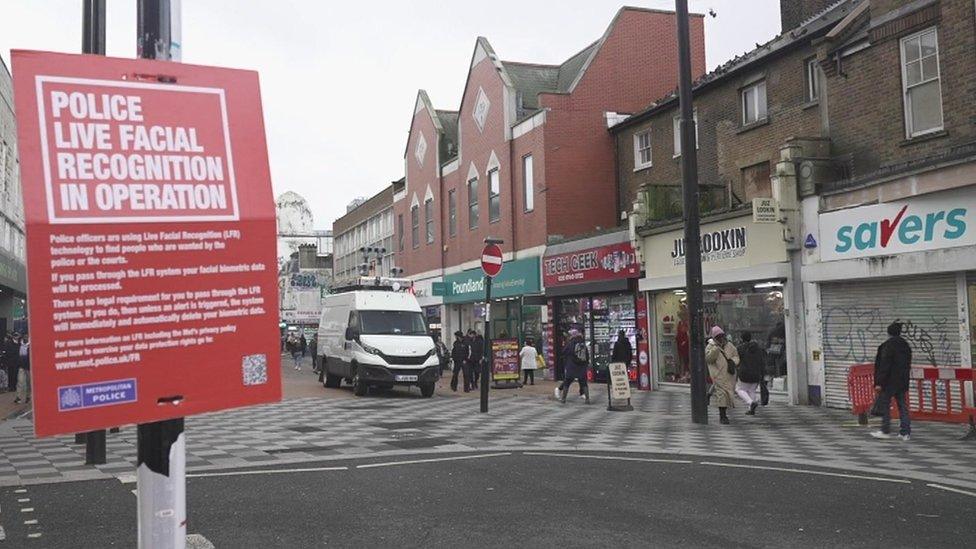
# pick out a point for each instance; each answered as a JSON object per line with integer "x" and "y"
{"x": 376, "y": 337}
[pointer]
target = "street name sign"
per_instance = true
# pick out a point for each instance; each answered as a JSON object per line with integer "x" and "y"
{"x": 150, "y": 240}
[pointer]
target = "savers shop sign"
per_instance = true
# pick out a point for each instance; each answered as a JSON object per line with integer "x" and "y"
{"x": 943, "y": 220}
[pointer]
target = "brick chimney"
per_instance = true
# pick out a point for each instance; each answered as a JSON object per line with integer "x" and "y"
{"x": 792, "y": 13}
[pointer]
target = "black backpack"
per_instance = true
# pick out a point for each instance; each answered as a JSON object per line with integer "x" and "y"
{"x": 581, "y": 355}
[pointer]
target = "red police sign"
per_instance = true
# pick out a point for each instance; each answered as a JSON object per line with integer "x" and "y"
{"x": 150, "y": 240}
{"x": 491, "y": 260}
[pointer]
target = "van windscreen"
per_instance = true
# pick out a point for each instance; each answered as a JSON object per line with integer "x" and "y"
{"x": 392, "y": 323}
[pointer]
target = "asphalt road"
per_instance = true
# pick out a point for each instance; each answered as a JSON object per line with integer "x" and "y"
{"x": 516, "y": 500}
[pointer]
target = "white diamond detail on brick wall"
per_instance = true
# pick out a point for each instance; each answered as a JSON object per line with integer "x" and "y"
{"x": 481, "y": 107}
{"x": 420, "y": 150}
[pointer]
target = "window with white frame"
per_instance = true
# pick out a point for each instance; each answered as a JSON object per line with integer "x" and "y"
{"x": 812, "y": 79}
{"x": 494, "y": 197}
{"x": 415, "y": 226}
{"x": 528, "y": 182}
{"x": 429, "y": 219}
{"x": 753, "y": 103}
{"x": 921, "y": 83}
{"x": 473, "y": 203}
{"x": 452, "y": 212}
{"x": 676, "y": 126}
{"x": 642, "y": 150}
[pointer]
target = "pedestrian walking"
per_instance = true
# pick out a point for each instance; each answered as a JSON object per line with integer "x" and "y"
{"x": 294, "y": 347}
{"x": 576, "y": 357}
{"x": 313, "y": 350}
{"x": 443, "y": 355}
{"x": 23, "y": 375}
{"x": 9, "y": 359}
{"x": 752, "y": 365}
{"x": 528, "y": 361}
{"x": 304, "y": 344}
{"x": 622, "y": 350}
{"x": 477, "y": 356}
{"x": 892, "y": 370}
{"x": 460, "y": 353}
{"x": 722, "y": 358}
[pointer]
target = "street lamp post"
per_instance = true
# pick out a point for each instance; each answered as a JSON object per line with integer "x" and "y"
{"x": 692, "y": 245}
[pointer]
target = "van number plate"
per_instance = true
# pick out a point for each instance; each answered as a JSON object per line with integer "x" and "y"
{"x": 406, "y": 378}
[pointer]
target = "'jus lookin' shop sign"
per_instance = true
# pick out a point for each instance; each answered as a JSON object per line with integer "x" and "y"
{"x": 715, "y": 245}
{"x": 932, "y": 222}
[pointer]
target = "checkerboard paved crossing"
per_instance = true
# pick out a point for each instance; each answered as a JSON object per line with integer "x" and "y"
{"x": 316, "y": 429}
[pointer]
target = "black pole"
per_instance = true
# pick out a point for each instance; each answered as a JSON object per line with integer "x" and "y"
{"x": 487, "y": 358}
{"x": 692, "y": 244}
{"x": 93, "y": 27}
{"x": 93, "y": 42}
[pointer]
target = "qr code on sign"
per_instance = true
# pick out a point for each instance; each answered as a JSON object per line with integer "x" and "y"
{"x": 255, "y": 369}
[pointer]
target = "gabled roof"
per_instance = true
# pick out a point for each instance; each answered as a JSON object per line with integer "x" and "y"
{"x": 816, "y": 26}
{"x": 445, "y": 123}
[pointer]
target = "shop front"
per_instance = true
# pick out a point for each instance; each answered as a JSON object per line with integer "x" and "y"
{"x": 746, "y": 278}
{"x": 514, "y": 314}
{"x": 911, "y": 261}
{"x": 591, "y": 287}
{"x": 430, "y": 304}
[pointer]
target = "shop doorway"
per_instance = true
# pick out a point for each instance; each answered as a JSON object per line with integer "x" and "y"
{"x": 599, "y": 318}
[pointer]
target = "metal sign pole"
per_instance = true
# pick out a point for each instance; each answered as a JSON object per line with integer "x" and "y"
{"x": 485, "y": 367}
{"x": 690, "y": 199}
{"x": 161, "y": 466}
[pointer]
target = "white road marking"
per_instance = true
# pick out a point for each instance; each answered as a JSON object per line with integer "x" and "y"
{"x": 3, "y": 535}
{"x": 21, "y": 491}
{"x": 34, "y": 535}
{"x": 27, "y": 510}
{"x": 432, "y": 460}
{"x": 951, "y": 489}
{"x": 135, "y": 493}
{"x": 23, "y": 500}
{"x": 619, "y": 458}
{"x": 267, "y": 472}
{"x": 31, "y": 521}
{"x": 805, "y": 472}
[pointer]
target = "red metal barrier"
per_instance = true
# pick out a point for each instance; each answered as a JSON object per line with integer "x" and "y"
{"x": 936, "y": 394}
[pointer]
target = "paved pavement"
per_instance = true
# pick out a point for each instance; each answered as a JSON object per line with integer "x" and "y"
{"x": 512, "y": 499}
{"x": 335, "y": 425}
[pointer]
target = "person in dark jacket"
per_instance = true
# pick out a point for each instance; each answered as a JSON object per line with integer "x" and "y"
{"x": 23, "y": 379}
{"x": 892, "y": 371}
{"x": 460, "y": 353}
{"x": 313, "y": 351}
{"x": 477, "y": 343}
{"x": 304, "y": 343}
{"x": 752, "y": 362}
{"x": 8, "y": 359}
{"x": 622, "y": 351}
{"x": 576, "y": 358}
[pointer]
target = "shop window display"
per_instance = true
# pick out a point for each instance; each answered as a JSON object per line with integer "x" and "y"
{"x": 754, "y": 307}
{"x": 599, "y": 318}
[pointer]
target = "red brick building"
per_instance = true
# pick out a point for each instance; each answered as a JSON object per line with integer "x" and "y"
{"x": 527, "y": 157}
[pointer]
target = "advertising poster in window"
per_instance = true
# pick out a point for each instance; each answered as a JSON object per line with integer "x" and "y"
{"x": 151, "y": 240}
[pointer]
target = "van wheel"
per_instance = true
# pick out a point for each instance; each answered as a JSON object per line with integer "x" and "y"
{"x": 332, "y": 381}
{"x": 427, "y": 390}
{"x": 359, "y": 387}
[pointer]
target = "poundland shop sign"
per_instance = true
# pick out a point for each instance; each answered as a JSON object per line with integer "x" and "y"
{"x": 932, "y": 222}
{"x": 519, "y": 277}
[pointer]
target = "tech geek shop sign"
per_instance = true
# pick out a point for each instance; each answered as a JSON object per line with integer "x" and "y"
{"x": 150, "y": 240}
{"x": 928, "y": 222}
{"x": 605, "y": 263}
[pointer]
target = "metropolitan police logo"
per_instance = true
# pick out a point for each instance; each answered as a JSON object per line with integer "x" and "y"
{"x": 70, "y": 398}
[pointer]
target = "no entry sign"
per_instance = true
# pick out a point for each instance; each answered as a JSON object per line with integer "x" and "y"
{"x": 491, "y": 260}
{"x": 150, "y": 240}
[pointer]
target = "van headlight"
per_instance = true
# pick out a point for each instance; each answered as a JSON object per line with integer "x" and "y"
{"x": 430, "y": 353}
{"x": 372, "y": 350}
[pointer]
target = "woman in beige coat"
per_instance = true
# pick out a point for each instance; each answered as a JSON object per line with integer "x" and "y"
{"x": 722, "y": 359}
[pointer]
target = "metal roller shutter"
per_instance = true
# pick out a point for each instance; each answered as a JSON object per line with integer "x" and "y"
{"x": 856, "y": 316}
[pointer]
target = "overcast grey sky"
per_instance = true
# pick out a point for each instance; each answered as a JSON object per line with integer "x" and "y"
{"x": 339, "y": 78}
